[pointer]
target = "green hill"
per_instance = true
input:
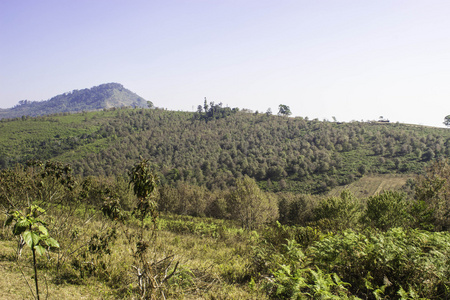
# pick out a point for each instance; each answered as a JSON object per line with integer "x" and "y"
{"x": 281, "y": 153}
{"x": 96, "y": 98}
{"x": 225, "y": 237}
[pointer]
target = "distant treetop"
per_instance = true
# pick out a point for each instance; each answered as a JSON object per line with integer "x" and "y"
{"x": 284, "y": 110}
{"x": 447, "y": 120}
{"x": 213, "y": 111}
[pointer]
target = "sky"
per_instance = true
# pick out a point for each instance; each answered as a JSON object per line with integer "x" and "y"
{"x": 352, "y": 60}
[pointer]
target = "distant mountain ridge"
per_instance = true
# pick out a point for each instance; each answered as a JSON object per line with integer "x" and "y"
{"x": 99, "y": 97}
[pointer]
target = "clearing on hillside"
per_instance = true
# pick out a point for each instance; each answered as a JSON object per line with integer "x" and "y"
{"x": 373, "y": 184}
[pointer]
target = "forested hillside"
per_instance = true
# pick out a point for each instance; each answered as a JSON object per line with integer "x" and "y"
{"x": 96, "y": 98}
{"x": 222, "y": 203}
{"x": 281, "y": 153}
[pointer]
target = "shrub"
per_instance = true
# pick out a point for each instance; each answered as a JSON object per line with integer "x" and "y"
{"x": 387, "y": 263}
{"x": 338, "y": 213}
{"x": 387, "y": 210}
{"x": 249, "y": 205}
{"x": 432, "y": 192}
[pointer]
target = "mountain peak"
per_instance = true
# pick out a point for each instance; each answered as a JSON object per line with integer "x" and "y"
{"x": 99, "y": 97}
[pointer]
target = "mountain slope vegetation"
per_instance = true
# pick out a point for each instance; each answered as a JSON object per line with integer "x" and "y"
{"x": 106, "y": 234}
{"x": 281, "y": 153}
{"x": 96, "y": 98}
{"x": 223, "y": 203}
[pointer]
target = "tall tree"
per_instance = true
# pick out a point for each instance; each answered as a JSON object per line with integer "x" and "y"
{"x": 205, "y": 106}
{"x": 250, "y": 205}
{"x": 284, "y": 110}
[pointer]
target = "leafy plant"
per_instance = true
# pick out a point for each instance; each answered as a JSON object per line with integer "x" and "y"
{"x": 306, "y": 283}
{"x": 382, "y": 263}
{"x": 151, "y": 276}
{"x": 34, "y": 234}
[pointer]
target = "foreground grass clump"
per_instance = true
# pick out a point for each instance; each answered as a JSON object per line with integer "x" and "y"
{"x": 15, "y": 274}
{"x": 212, "y": 266}
{"x": 218, "y": 260}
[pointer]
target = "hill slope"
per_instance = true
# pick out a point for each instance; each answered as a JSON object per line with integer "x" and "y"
{"x": 281, "y": 153}
{"x": 96, "y": 98}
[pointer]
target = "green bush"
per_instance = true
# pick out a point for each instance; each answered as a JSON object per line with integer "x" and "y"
{"x": 432, "y": 192}
{"x": 388, "y": 209}
{"x": 386, "y": 263}
{"x": 397, "y": 264}
{"x": 338, "y": 213}
{"x": 295, "y": 278}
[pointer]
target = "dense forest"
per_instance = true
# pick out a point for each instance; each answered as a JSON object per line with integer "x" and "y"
{"x": 213, "y": 147}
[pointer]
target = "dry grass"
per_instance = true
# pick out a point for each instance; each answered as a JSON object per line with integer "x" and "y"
{"x": 372, "y": 185}
{"x": 13, "y": 284}
{"x": 209, "y": 268}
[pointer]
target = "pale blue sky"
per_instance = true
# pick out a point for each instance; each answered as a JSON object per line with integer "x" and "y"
{"x": 355, "y": 60}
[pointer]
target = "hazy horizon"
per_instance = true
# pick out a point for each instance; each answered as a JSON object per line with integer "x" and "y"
{"x": 345, "y": 59}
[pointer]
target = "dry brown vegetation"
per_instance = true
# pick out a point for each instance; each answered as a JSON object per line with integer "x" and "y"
{"x": 371, "y": 185}
{"x": 209, "y": 268}
{"x": 13, "y": 283}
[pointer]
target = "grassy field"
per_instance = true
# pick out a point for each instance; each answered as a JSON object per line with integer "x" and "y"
{"x": 213, "y": 258}
{"x": 15, "y": 275}
{"x": 371, "y": 185}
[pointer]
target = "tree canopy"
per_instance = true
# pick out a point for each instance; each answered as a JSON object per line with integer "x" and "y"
{"x": 447, "y": 120}
{"x": 284, "y": 110}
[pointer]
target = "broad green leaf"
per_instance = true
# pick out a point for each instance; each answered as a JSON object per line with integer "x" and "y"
{"x": 39, "y": 249}
{"x": 36, "y": 238}
{"x": 21, "y": 226}
{"x": 43, "y": 229}
{"x": 27, "y": 238}
{"x": 52, "y": 242}
{"x": 31, "y": 238}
